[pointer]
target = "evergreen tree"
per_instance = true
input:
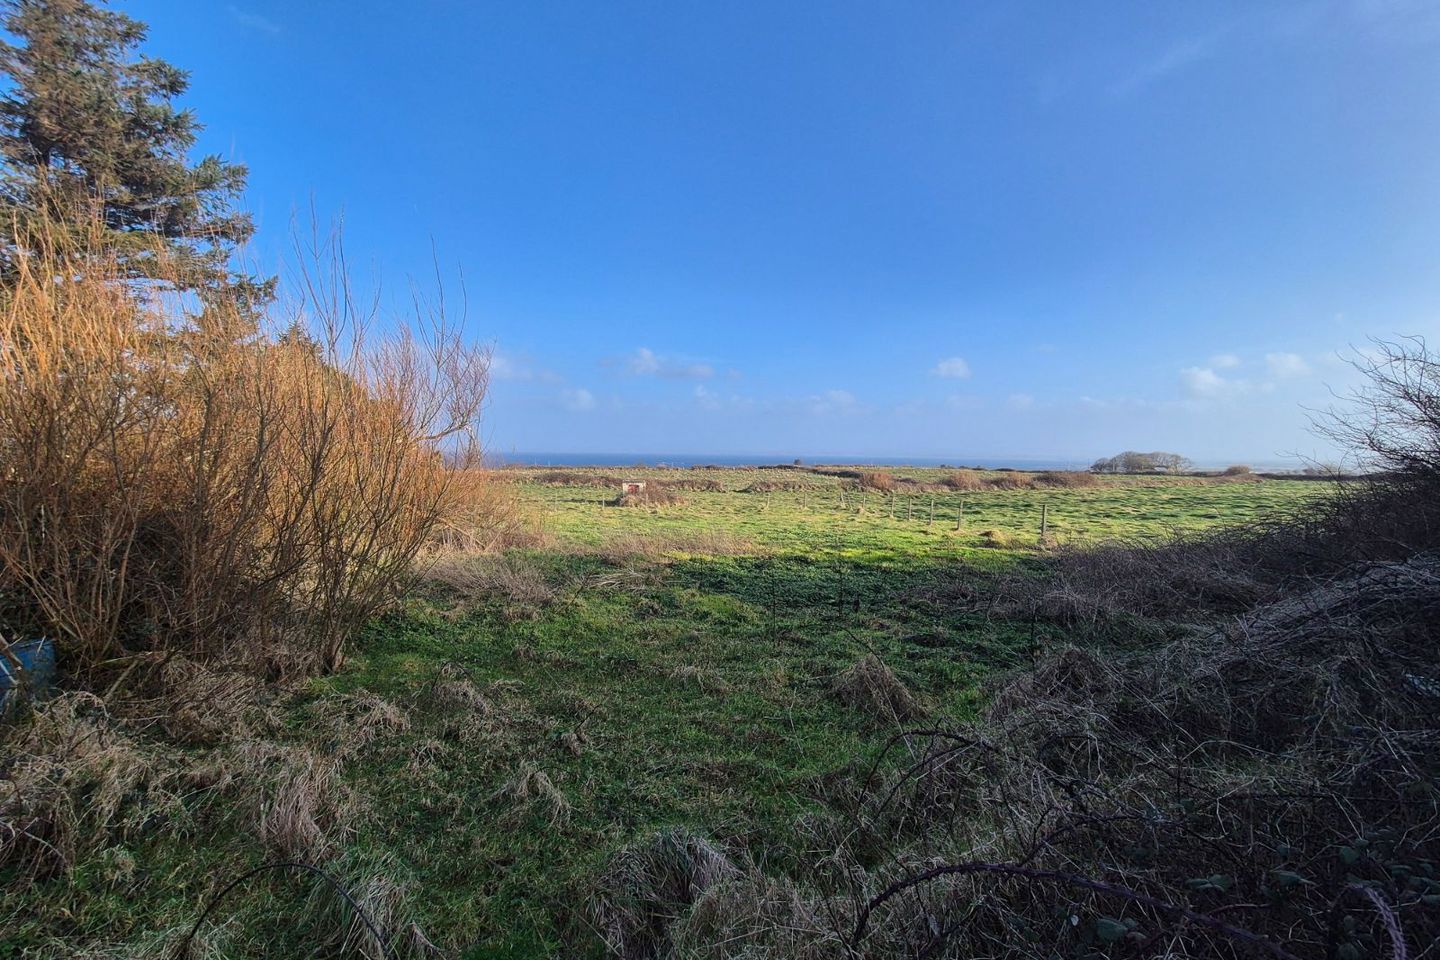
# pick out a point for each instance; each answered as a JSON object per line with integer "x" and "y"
{"x": 87, "y": 124}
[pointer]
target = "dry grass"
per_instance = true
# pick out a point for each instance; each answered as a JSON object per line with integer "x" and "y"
{"x": 871, "y": 687}
{"x": 652, "y": 496}
{"x": 386, "y": 897}
{"x": 513, "y": 577}
{"x": 531, "y": 791}
{"x": 621, "y": 547}
{"x": 777, "y": 486}
{"x": 73, "y": 782}
{"x": 704, "y": 678}
{"x": 296, "y": 804}
{"x": 648, "y": 886}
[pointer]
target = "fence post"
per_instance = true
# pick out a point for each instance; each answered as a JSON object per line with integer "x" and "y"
{"x": 1044, "y": 519}
{"x": 932, "y": 510}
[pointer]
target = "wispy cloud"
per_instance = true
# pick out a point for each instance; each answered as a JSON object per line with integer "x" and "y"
{"x": 832, "y": 401}
{"x": 577, "y": 400}
{"x": 254, "y": 21}
{"x": 1225, "y": 361}
{"x": 1175, "y": 58}
{"x": 644, "y": 362}
{"x": 953, "y": 368}
{"x": 518, "y": 369}
{"x": 1286, "y": 366}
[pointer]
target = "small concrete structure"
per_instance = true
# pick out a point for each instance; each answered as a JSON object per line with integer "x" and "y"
{"x": 632, "y": 487}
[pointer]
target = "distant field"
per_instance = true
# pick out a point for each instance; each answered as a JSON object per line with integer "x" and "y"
{"x": 825, "y": 512}
{"x": 645, "y": 668}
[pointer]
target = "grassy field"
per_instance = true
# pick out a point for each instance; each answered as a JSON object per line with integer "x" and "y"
{"x": 522, "y": 717}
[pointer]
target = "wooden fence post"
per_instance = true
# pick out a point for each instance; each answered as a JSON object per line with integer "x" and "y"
{"x": 1044, "y": 519}
{"x": 932, "y": 510}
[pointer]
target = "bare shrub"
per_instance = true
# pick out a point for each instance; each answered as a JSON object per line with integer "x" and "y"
{"x": 881, "y": 480}
{"x": 1010, "y": 480}
{"x": 1065, "y": 479}
{"x": 871, "y": 687}
{"x": 229, "y": 495}
{"x": 1180, "y": 576}
{"x": 966, "y": 480}
{"x": 1236, "y": 470}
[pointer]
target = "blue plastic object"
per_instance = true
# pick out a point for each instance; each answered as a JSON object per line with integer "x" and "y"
{"x": 37, "y": 668}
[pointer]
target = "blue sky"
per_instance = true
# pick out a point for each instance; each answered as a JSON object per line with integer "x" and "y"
{"x": 938, "y": 229}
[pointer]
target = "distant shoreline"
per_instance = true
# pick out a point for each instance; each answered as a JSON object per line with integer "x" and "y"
{"x": 654, "y": 460}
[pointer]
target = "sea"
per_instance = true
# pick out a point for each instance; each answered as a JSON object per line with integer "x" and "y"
{"x": 560, "y": 459}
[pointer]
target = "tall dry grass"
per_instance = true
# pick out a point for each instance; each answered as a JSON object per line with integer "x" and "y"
{"x": 178, "y": 480}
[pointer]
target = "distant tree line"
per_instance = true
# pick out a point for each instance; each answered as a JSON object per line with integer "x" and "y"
{"x": 1132, "y": 461}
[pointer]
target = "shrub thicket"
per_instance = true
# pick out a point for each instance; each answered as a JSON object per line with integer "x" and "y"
{"x": 170, "y": 486}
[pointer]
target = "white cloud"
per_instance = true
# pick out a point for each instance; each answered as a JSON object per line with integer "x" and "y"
{"x": 645, "y": 362}
{"x": 1204, "y": 382}
{"x": 504, "y": 366}
{"x": 1020, "y": 401}
{"x": 707, "y": 399}
{"x": 1225, "y": 361}
{"x": 832, "y": 401}
{"x": 1286, "y": 366}
{"x": 954, "y": 368}
{"x": 253, "y": 20}
{"x": 577, "y": 400}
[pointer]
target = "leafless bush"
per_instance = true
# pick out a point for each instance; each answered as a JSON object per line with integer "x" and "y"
{"x": 966, "y": 480}
{"x": 881, "y": 480}
{"x": 185, "y": 483}
{"x": 1180, "y": 576}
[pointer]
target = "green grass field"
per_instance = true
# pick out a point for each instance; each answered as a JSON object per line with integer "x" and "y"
{"x": 645, "y": 668}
